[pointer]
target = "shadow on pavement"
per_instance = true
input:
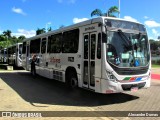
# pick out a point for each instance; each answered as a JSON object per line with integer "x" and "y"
{"x": 45, "y": 91}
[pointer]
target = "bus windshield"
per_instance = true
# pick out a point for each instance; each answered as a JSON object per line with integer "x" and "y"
{"x": 127, "y": 49}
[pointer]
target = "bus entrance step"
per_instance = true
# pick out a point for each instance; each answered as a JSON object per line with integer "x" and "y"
{"x": 10, "y": 68}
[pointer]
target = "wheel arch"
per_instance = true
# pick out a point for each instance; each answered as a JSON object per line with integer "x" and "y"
{"x": 70, "y": 69}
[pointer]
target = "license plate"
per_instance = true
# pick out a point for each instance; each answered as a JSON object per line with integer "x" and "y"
{"x": 134, "y": 89}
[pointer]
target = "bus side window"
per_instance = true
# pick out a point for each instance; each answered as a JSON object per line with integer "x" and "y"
{"x": 99, "y": 46}
{"x": 86, "y": 40}
{"x": 49, "y": 45}
{"x": 35, "y": 46}
{"x": 93, "y": 46}
{"x": 70, "y": 41}
{"x": 56, "y": 41}
{"x": 43, "y": 46}
{"x": 24, "y": 48}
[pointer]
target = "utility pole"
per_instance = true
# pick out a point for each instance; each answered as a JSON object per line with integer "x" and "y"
{"x": 47, "y": 25}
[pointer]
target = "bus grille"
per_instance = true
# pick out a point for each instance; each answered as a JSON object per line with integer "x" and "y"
{"x": 128, "y": 87}
{"x": 57, "y": 75}
{"x": 130, "y": 71}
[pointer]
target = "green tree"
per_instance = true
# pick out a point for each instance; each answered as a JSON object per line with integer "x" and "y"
{"x": 7, "y": 33}
{"x": 110, "y": 12}
{"x": 2, "y": 38}
{"x": 49, "y": 29}
{"x": 8, "y": 36}
{"x": 40, "y": 31}
{"x": 21, "y": 38}
{"x": 154, "y": 45}
{"x": 97, "y": 12}
{"x": 113, "y": 10}
{"x": 14, "y": 40}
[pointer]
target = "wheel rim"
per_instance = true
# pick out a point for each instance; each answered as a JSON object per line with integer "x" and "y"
{"x": 74, "y": 82}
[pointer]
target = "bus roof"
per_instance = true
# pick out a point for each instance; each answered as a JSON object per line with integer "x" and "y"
{"x": 87, "y": 22}
{"x": 14, "y": 45}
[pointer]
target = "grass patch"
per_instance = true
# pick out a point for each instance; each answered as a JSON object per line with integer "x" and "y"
{"x": 155, "y": 66}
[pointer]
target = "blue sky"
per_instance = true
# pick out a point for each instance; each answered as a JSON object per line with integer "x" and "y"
{"x": 23, "y": 17}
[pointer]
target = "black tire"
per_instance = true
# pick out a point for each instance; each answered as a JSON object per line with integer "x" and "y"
{"x": 71, "y": 80}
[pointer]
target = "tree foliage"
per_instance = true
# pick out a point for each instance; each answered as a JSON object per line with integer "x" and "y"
{"x": 154, "y": 45}
{"x": 110, "y": 12}
{"x": 49, "y": 29}
{"x": 7, "y": 33}
{"x": 6, "y": 39}
{"x": 97, "y": 12}
{"x": 40, "y": 31}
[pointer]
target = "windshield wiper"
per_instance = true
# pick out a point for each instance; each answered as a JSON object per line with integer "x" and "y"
{"x": 124, "y": 37}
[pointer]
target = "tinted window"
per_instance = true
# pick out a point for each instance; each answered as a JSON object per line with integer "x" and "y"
{"x": 20, "y": 49}
{"x": 55, "y": 43}
{"x": 125, "y": 25}
{"x": 70, "y": 41}
{"x": 86, "y": 40}
{"x": 99, "y": 46}
{"x": 13, "y": 49}
{"x": 43, "y": 46}
{"x": 93, "y": 46}
{"x": 24, "y": 48}
{"x": 35, "y": 46}
{"x": 49, "y": 44}
{"x": 9, "y": 50}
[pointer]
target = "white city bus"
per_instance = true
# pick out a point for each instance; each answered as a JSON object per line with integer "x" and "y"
{"x": 105, "y": 55}
{"x": 3, "y": 55}
{"x": 15, "y": 55}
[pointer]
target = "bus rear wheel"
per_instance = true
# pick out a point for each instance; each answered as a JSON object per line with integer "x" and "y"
{"x": 71, "y": 80}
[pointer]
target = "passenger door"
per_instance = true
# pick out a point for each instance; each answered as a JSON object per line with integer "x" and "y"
{"x": 89, "y": 60}
{"x": 28, "y": 57}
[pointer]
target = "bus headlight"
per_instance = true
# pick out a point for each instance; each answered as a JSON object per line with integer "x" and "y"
{"x": 111, "y": 77}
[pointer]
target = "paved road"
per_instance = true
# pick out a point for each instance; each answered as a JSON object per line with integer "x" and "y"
{"x": 20, "y": 92}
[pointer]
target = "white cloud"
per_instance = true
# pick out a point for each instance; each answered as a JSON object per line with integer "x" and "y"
{"x": 151, "y": 38}
{"x": 77, "y": 20}
{"x": 26, "y": 33}
{"x": 130, "y": 18}
{"x": 151, "y": 23}
{"x": 18, "y": 11}
{"x": 146, "y": 17}
{"x": 155, "y": 33}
